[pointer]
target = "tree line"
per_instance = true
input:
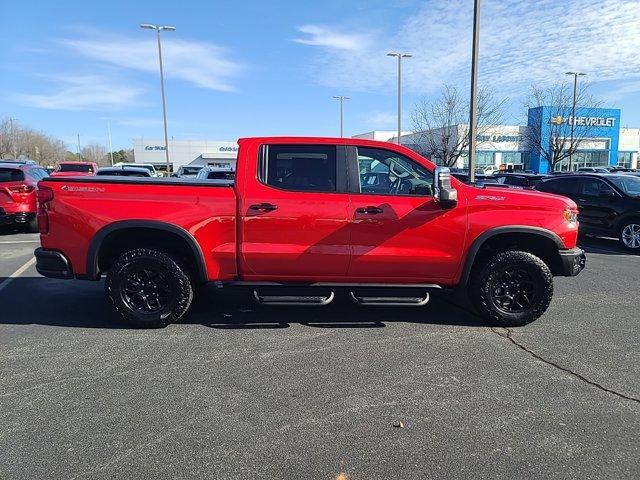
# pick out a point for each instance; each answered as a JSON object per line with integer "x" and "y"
{"x": 21, "y": 142}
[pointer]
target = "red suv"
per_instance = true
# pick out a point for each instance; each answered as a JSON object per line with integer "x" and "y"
{"x": 18, "y": 184}
{"x": 75, "y": 169}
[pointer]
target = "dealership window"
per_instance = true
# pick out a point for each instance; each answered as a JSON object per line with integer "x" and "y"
{"x": 484, "y": 159}
{"x": 624, "y": 159}
{"x": 309, "y": 168}
{"x": 593, "y": 158}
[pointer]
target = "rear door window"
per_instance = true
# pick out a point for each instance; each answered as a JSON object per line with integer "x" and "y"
{"x": 300, "y": 168}
{"x": 562, "y": 186}
{"x": 11, "y": 175}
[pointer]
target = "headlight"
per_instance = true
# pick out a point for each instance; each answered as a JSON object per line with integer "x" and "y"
{"x": 570, "y": 216}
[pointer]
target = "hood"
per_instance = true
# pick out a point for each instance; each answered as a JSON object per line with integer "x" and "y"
{"x": 527, "y": 197}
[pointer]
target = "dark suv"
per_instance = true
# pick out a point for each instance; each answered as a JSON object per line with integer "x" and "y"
{"x": 18, "y": 184}
{"x": 609, "y": 204}
{"x": 521, "y": 180}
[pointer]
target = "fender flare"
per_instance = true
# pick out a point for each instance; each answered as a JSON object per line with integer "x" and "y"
{"x": 477, "y": 244}
{"x": 96, "y": 243}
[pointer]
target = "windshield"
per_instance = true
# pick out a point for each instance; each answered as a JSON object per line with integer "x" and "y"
{"x": 628, "y": 184}
{"x": 75, "y": 167}
{"x": 11, "y": 175}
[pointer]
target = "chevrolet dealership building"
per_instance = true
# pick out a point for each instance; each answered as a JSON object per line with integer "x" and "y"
{"x": 603, "y": 141}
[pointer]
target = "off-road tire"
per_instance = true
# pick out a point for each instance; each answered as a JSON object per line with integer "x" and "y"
{"x": 177, "y": 283}
{"x": 485, "y": 276}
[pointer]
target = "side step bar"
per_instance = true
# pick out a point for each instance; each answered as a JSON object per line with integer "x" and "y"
{"x": 310, "y": 300}
{"x": 393, "y": 301}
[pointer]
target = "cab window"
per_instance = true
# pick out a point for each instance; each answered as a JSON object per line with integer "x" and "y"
{"x": 300, "y": 168}
{"x": 389, "y": 173}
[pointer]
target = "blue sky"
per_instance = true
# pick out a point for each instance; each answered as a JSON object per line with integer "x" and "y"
{"x": 247, "y": 68}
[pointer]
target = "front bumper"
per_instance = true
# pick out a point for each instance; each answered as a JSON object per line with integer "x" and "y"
{"x": 52, "y": 264}
{"x": 572, "y": 262}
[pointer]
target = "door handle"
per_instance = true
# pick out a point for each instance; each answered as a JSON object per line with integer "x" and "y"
{"x": 370, "y": 210}
{"x": 263, "y": 207}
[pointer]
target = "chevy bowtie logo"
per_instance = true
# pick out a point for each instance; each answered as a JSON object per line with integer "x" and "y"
{"x": 559, "y": 120}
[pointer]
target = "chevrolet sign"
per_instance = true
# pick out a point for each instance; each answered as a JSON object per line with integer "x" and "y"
{"x": 584, "y": 121}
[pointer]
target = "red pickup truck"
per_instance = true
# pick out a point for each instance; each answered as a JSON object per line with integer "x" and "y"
{"x": 307, "y": 219}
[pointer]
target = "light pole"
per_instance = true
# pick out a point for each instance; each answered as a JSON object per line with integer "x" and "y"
{"x": 110, "y": 145}
{"x": 473, "y": 114}
{"x": 400, "y": 57}
{"x": 573, "y": 112}
{"x": 342, "y": 98}
{"x": 79, "y": 154}
{"x": 158, "y": 29}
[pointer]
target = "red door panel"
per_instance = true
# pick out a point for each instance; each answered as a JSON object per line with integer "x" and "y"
{"x": 413, "y": 239}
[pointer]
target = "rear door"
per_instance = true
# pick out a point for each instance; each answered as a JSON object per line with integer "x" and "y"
{"x": 400, "y": 233}
{"x": 294, "y": 212}
{"x": 597, "y": 203}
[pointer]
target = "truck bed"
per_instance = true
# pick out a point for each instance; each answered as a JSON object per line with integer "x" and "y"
{"x": 87, "y": 210}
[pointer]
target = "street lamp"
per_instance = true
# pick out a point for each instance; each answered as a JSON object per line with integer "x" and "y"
{"x": 342, "y": 98}
{"x": 573, "y": 112}
{"x": 158, "y": 29}
{"x": 400, "y": 57}
{"x": 473, "y": 114}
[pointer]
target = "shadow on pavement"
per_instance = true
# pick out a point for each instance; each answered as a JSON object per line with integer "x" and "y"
{"x": 6, "y": 230}
{"x": 607, "y": 246}
{"x": 43, "y": 301}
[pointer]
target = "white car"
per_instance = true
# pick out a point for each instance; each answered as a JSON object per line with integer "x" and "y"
{"x": 148, "y": 166}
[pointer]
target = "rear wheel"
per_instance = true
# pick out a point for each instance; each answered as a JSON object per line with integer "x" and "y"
{"x": 512, "y": 288}
{"x": 630, "y": 235}
{"x": 149, "y": 288}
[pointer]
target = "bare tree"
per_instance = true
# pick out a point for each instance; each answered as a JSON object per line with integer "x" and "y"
{"x": 17, "y": 141}
{"x": 94, "y": 152}
{"x": 441, "y": 125}
{"x": 558, "y": 100}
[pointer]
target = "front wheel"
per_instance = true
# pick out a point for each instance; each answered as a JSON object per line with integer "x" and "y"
{"x": 511, "y": 289}
{"x": 630, "y": 235}
{"x": 149, "y": 288}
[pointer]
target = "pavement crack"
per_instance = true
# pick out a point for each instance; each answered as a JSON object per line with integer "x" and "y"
{"x": 507, "y": 333}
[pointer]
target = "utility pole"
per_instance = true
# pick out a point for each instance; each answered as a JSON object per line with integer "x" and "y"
{"x": 473, "y": 118}
{"x": 400, "y": 57}
{"x": 79, "y": 156}
{"x": 158, "y": 29}
{"x": 573, "y": 113}
{"x": 342, "y": 98}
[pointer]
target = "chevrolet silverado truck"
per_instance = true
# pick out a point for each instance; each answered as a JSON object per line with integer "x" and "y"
{"x": 304, "y": 221}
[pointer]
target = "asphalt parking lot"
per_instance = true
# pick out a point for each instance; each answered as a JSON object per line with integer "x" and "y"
{"x": 240, "y": 392}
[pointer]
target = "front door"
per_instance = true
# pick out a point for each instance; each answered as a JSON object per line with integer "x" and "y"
{"x": 596, "y": 201}
{"x": 295, "y": 216}
{"x": 400, "y": 232}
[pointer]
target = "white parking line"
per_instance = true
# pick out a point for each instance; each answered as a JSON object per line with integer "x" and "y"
{"x": 17, "y": 273}
{"x": 20, "y": 241}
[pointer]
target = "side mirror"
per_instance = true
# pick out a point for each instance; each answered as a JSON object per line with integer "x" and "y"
{"x": 443, "y": 192}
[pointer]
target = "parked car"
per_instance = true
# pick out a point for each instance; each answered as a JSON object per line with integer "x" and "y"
{"x": 123, "y": 172}
{"x": 187, "y": 171}
{"x": 216, "y": 173}
{"x": 300, "y": 224}
{"x": 487, "y": 170}
{"x": 519, "y": 180}
{"x": 148, "y": 166}
{"x": 594, "y": 170}
{"x": 609, "y": 204}
{"x": 480, "y": 179}
{"x": 18, "y": 185}
{"x": 75, "y": 169}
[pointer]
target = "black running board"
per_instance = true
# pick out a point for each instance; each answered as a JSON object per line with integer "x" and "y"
{"x": 303, "y": 300}
{"x": 390, "y": 301}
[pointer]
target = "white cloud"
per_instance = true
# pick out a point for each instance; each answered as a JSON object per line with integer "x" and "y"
{"x": 140, "y": 122}
{"x": 203, "y": 64}
{"x": 521, "y": 43}
{"x": 86, "y": 92}
{"x": 325, "y": 37}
